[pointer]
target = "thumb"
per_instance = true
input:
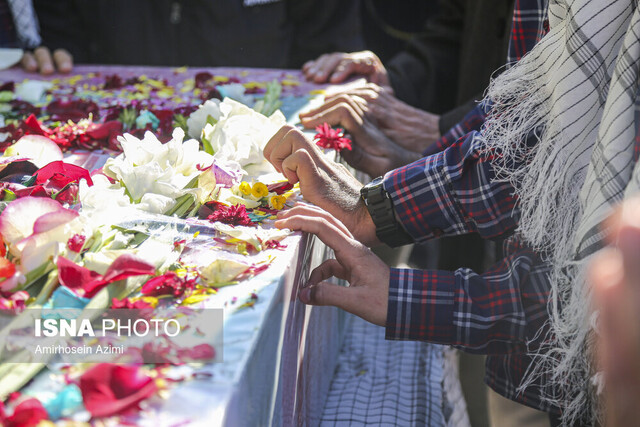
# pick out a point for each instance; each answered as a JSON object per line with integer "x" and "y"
{"x": 300, "y": 167}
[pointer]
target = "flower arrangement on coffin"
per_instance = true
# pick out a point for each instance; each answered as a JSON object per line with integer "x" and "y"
{"x": 62, "y": 248}
{"x": 81, "y": 123}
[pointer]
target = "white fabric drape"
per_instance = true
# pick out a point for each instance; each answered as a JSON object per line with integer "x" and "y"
{"x": 576, "y": 93}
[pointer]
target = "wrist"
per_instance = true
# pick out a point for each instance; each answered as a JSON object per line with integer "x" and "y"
{"x": 409, "y": 157}
{"x": 365, "y": 230}
{"x": 431, "y": 130}
{"x": 380, "y": 207}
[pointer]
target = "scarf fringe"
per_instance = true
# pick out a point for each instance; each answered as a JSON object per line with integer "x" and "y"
{"x": 547, "y": 177}
{"x": 564, "y": 362}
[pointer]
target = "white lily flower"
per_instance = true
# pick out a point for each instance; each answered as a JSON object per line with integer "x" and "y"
{"x": 155, "y": 174}
{"x": 198, "y": 119}
{"x": 241, "y": 133}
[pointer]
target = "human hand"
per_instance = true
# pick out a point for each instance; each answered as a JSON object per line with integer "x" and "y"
{"x": 323, "y": 182}
{"x": 338, "y": 66}
{"x": 43, "y": 62}
{"x": 615, "y": 276}
{"x": 368, "y": 277}
{"x": 372, "y": 152}
{"x": 409, "y": 127}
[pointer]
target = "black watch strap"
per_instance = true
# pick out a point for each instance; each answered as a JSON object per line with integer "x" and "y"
{"x": 380, "y": 207}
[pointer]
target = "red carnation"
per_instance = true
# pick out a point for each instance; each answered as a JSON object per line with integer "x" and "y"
{"x": 327, "y": 137}
{"x": 232, "y": 215}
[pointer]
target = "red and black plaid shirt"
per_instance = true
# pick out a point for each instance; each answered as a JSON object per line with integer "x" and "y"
{"x": 453, "y": 192}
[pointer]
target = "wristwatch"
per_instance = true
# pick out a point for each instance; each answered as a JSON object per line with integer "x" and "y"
{"x": 380, "y": 207}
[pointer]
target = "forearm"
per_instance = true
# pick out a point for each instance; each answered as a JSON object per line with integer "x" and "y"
{"x": 452, "y": 192}
{"x": 499, "y": 311}
{"x": 451, "y": 130}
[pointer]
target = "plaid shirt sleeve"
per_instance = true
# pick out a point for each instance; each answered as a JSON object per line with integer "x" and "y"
{"x": 452, "y": 192}
{"x": 497, "y": 312}
{"x": 472, "y": 121}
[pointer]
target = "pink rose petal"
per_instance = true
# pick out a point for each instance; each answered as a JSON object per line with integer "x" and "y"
{"x": 51, "y": 220}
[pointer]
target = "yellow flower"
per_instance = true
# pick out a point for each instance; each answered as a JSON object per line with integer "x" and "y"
{"x": 259, "y": 190}
{"x": 245, "y": 188}
{"x": 277, "y": 202}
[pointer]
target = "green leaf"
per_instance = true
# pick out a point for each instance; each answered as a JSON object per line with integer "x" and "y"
{"x": 180, "y": 121}
{"x": 6, "y": 96}
{"x": 9, "y": 195}
{"x": 210, "y": 120}
{"x": 206, "y": 145}
{"x": 271, "y": 98}
{"x": 128, "y": 118}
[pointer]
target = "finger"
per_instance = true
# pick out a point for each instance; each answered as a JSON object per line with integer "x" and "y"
{"x": 383, "y": 116}
{"x": 326, "y": 270}
{"x": 339, "y": 115}
{"x": 286, "y": 141}
{"x": 315, "y": 64}
{"x": 292, "y": 142}
{"x": 307, "y": 66}
{"x": 325, "y": 293}
{"x": 301, "y": 167}
{"x": 332, "y": 102}
{"x": 44, "y": 60}
{"x": 325, "y": 68}
{"x": 342, "y": 71}
{"x": 275, "y": 140}
{"x": 368, "y": 95}
{"x": 606, "y": 275}
{"x": 63, "y": 60}
{"x": 348, "y": 68}
{"x": 28, "y": 62}
{"x": 344, "y": 247}
{"x": 362, "y": 160}
{"x": 313, "y": 211}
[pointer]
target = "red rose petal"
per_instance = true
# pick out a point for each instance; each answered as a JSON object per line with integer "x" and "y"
{"x": 112, "y": 389}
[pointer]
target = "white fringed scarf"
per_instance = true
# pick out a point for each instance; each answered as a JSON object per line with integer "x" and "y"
{"x": 577, "y": 92}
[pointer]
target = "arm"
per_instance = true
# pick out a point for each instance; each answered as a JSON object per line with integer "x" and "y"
{"x": 499, "y": 311}
{"x": 471, "y": 121}
{"x": 453, "y": 192}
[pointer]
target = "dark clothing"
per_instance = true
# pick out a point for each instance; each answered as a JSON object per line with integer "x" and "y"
{"x": 388, "y": 26}
{"x": 447, "y": 69}
{"x": 8, "y": 36}
{"x": 274, "y": 34}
